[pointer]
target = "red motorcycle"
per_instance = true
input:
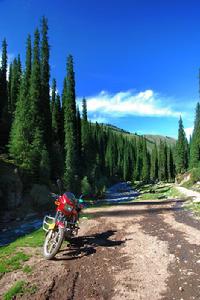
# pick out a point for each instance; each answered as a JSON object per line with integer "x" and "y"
{"x": 64, "y": 225}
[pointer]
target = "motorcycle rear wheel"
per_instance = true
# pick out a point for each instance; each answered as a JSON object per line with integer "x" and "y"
{"x": 53, "y": 242}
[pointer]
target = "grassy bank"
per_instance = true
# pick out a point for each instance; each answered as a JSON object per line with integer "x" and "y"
{"x": 160, "y": 191}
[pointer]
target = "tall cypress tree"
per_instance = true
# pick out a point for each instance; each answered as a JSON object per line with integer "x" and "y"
{"x": 45, "y": 75}
{"x": 195, "y": 141}
{"x": 181, "y": 150}
{"x": 70, "y": 128}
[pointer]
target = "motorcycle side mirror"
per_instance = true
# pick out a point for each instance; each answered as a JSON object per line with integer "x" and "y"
{"x": 59, "y": 183}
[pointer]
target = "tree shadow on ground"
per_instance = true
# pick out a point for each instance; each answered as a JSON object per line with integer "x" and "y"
{"x": 86, "y": 245}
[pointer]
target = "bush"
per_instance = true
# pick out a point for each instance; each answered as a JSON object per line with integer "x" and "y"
{"x": 195, "y": 175}
{"x": 85, "y": 186}
{"x": 40, "y": 196}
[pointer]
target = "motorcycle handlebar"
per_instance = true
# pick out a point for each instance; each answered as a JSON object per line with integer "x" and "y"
{"x": 53, "y": 195}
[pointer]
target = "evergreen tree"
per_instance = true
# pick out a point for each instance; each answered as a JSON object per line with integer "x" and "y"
{"x": 9, "y": 92}
{"x": 137, "y": 174}
{"x": 145, "y": 162}
{"x": 3, "y": 82}
{"x": 15, "y": 84}
{"x": 55, "y": 113}
{"x": 170, "y": 165}
{"x": 4, "y": 115}
{"x": 162, "y": 171}
{"x": 85, "y": 137}
{"x": 28, "y": 65}
{"x": 181, "y": 150}
{"x": 45, "y": 75}
{"x": 154, "y": 164}
{"x": 70, "y": 128}
{"x": 79, "y": 146}
{"x": 195, "y": 141}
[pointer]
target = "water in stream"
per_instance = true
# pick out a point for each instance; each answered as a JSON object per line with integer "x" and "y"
{"x": 120, "y": 192}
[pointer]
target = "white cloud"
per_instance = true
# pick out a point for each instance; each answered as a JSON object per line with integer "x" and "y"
{"x": 188, "y": 132}
{"x": 98, "y": 119}
{"x": 127, "y": 103}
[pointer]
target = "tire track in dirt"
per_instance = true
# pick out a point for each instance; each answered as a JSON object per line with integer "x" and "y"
{"x": 184, "y": 282}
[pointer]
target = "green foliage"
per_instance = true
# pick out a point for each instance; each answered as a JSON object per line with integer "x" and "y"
{"x": 27, "y": 269}
{"x": 195, "y": 175}
{"x": 16, "y": 289}
{"x": 154, "y": 164}
{"x": 70, "y": 128}
{"x": 40, "y": 196}
{"x": 44, "y": 93}
{"x": 195, "y": 141}
{"x": 162, "y": 172}
{"x": 20, "y": 288}
{"x": 12, "y": 262}
{"x": 181, "y": 151}
{"x": 85, "y": 186}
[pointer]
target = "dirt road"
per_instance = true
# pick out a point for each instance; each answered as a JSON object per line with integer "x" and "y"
{"x": 143, "y": 250}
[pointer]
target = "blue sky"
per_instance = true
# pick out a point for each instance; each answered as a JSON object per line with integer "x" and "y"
{"x": 136, "y": 61}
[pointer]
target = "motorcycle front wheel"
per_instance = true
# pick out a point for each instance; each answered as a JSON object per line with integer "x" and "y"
{"x": 53, "y": 242}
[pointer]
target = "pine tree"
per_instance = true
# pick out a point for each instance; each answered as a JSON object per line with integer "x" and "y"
{"x": 3, "y": 82}
{"x": 55, "y": 113}
{"x": 28, "y": 65}
{"x": 195, "y": 141}
{"x": 15, "y": 84}
{"x": 9, "y": 93}
{"x": 170, "y": 165}
{"x": 145, "y": 162}
{"x": 4, "y": 115}
{"x": 70, "y": 128}
{"x": 79, "y": 146}
{"x": 154, "y": 164}
{"x": 137, "y": 174}
{"x": 85, "y": 136}
{"x": 45, "y": 75}
{"x": 162, "y": 171}
{"x": 181, "y": 150}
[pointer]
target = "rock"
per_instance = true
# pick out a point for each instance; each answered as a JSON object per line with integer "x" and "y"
{"x": 181, "y": 288}
{"x": 198, "y": 261}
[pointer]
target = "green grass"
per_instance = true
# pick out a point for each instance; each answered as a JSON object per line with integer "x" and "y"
{"x": 154, "y": 192}
{"x": 17, "y": 288}
{"x": 8, "y": 264}
{"x": 27, "y": 269}
{"x": 194, "y": 206}
{"x": 12, "y": 257}
{"x": 20, "y": 287}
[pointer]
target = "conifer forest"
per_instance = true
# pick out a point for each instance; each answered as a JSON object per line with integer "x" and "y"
{"x": 48, "y": 135}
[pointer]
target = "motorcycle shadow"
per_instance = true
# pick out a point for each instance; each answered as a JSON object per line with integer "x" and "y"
{"x": 86, "y": 245}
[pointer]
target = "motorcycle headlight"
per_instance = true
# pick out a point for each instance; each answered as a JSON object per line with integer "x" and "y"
{"x": 68, "y": 207}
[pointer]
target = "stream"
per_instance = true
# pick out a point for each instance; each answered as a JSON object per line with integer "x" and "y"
{"x": 120, "y": 192}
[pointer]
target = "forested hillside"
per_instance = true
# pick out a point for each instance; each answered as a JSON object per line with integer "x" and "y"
{"x": 47, "y": 137}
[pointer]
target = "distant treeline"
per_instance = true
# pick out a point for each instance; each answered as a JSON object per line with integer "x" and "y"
{"x": 47, "y": 137}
